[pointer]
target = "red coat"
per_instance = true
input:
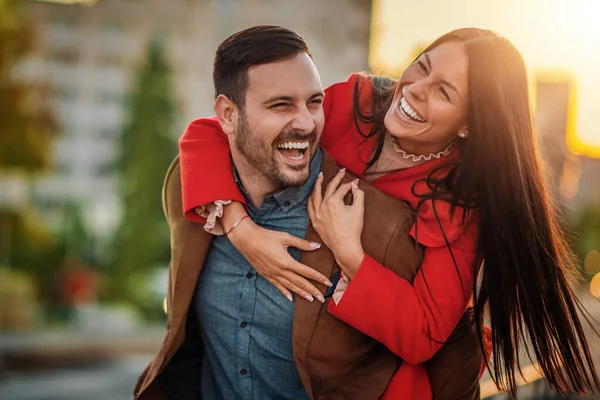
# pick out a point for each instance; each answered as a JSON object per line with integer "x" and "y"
{"x": 411, "y": 320}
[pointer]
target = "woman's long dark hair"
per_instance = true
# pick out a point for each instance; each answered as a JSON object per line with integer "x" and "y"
{"x": 528, "y": 269}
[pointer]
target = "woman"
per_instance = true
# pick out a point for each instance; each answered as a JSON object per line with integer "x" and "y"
{"x": 453, "y": 137}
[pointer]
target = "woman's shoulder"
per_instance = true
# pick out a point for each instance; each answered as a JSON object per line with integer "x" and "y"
{"x": 438, "y": 223}
{"x": 345, "y": 88}
{"x": 340, "y": 97}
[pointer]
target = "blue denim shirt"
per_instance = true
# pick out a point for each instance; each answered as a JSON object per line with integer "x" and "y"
{"x": 245, "y": 322}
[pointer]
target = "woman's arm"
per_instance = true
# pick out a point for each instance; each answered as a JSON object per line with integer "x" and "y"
{"x": 207, "y": 176}
{"x": 413, "y": 320}
{"x": 206, "y": 169}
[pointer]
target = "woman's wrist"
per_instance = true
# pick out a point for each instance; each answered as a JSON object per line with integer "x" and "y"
{"x": 351, "y": 261}
{"x": 232, "y": 214}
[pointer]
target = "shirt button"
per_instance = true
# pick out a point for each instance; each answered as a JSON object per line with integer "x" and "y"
{"x": 243, "y": 372}
{"x": 244, "y": 324}
{"x": 286, "y": 203}
{"x": 249, "y": 275}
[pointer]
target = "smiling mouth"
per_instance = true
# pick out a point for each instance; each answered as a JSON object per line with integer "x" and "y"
{"x": 410, "y": 112}
{"x": 293, "y": 151}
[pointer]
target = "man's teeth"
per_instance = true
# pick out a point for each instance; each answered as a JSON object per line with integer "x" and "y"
{"x": 408, "y": 110}
{"x": 293, "y": 145}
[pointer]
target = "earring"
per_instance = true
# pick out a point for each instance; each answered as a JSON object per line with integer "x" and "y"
{"x": 462, "y": 135}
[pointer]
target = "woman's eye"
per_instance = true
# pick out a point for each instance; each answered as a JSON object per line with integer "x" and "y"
{"x": 421, "y": 66}
{"x": 444, "y": 94}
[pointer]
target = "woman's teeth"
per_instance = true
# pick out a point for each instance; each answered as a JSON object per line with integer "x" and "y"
{"x": 409, "y": 112}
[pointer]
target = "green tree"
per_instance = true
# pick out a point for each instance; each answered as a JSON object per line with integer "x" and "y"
{"x": 27, "y": 127}
{"x": 586, "y": 226}
{"x": 148, "y": 147}
{"x": 27, "y": 123}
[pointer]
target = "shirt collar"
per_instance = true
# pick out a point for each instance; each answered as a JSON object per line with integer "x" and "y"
{"x": 290, "y": 197}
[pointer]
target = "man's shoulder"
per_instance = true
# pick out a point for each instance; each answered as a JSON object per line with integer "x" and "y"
{"x": 171, "y": 191}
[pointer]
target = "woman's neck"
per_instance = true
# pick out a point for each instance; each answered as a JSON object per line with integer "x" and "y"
{"x": 419, "y": 148}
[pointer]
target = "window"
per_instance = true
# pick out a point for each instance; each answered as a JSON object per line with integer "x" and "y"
{"x": 110, "y": 60}
{"x": 69, "y": 56}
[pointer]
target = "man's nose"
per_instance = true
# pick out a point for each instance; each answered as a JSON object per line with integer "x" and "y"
{"x": 303, "y": 121}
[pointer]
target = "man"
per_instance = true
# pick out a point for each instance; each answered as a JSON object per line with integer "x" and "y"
{"x": 230, "y": 333}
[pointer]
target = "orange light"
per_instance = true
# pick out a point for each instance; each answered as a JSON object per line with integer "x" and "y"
{"x": 592, "y": 262}
{"x": 595, "y": 286}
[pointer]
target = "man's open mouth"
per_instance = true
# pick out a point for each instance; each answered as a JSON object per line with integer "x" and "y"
{"x": 293, "y": 150}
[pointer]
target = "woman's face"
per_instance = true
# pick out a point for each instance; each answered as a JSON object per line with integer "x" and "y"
{"x": 430, "y": 104}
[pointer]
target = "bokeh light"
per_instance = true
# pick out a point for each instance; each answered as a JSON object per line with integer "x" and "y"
{"x": 595, "y": 286}
{"x": 592, "y": 262}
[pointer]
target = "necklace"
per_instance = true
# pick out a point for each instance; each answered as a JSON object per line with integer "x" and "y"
{"x": 417, "y": 158}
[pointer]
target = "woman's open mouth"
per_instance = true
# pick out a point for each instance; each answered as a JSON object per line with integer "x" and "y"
{"x": 408, "y": 112}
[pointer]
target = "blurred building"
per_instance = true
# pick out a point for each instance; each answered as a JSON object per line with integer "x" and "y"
{"x": 573, "y": 176}
{"x": 88, "y": 53}
{"x": 589, "y": 183}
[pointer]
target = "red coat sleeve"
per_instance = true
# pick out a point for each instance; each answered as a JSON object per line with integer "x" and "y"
{"x": 206, "y": 171}
{"x": 414, "y": 320}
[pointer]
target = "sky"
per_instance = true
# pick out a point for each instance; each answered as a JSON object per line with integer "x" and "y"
{"x": 552, "y": 37}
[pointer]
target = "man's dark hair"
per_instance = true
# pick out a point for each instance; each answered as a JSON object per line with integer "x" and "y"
{"x": 253, "y": 46}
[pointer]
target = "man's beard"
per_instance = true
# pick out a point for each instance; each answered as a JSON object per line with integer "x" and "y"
{"x": 263, "y": 156}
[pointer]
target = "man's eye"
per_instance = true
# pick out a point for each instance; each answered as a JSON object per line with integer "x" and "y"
{"x": 278, "y": 105}
{"x": 318, "y": 101}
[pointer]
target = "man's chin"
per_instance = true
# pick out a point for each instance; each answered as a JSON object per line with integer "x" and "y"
{"x": 293, "y": 177}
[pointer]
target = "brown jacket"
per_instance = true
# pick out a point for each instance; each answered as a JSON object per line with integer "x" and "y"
{"x": 334, "y": 361}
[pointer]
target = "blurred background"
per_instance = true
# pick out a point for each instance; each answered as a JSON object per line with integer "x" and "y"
{"x": 93, "y": 97}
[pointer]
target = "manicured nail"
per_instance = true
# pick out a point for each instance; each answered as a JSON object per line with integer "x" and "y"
{"x": 342, "y": 170}
{"x": 314, "y": 245}
{"x": 320, "y": 175}
{"x": 289, "y": 297}
{"x": 309, "y": 298}
{"x": 321, "y": 298}
{"x": 328, "y": 283}
{"x": 355, "y": 183}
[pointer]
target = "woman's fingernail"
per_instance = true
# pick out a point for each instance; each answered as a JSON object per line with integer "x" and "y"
{"x": 328, "y": 283}
{"x": 309, "y": 298}
{"x": 355, "y": 183}
{"x": 314, "y": 245}
{"x": 342, "y": 170}
{"x": 321, "y": 298}
{"x": 289, "y": 297}
{"x": 320, "y": 174}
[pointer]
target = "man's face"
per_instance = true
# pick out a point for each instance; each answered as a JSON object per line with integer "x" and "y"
{"x": 279, "y": 129}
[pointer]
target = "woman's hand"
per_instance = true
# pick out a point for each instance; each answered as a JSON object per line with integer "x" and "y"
{"x": 339, "y": 225}
{"x": 266, "y": 251}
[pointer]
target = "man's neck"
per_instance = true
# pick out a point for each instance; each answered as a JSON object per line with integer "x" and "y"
{"x": 253, "y": 181}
